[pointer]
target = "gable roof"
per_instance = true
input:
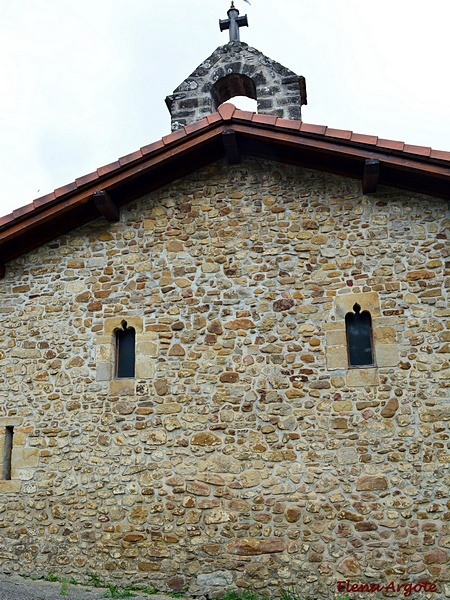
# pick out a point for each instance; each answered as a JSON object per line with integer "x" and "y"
{"x": 227, "y": 133}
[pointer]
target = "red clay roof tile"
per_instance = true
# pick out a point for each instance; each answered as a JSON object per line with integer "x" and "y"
{"x": 193, "y": 127}
{"x": 65, "y": 189}
{"x": 213, "y": 118}
{"x": 440, "y": 154}
{"x": 341, "y": 134}
{"x": 420, "y": 150}
{"x": 310, "y": 128}
{"x": 128, "y": 158}
{"x": 23, "y": 210}
{"x": 390, "y": 144}
{"x": 86, "y": 178}
{"x": 288, "y": 123}
{"x": 265, "y": 119}
{"x": 6, "y": 219}
{"x": 174, "y": 136}
{"x": 243, "y": 114}
{"x": 360, "y": 138}
{"x": 44, "y": 200}
{"x": 152, "y": 147}
{"x": 226, "y": 110}
{"x": 108, "y": 168}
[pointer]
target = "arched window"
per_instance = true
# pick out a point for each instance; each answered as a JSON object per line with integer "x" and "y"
{"x": 358, "y": 327}
{"x": 230, "y": 86}
{"x": 125, "y": 351}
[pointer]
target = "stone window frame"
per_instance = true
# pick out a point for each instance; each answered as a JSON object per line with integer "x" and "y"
{"x": 360, "y": 316}
{"x": 24, "y": 458}
{"x": 146, "y": 349}
{"x": 125, "y": 337}
{"x": 385, "y": 351}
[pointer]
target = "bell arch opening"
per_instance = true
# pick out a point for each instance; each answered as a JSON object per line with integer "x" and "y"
{"x": 232, "y": 86}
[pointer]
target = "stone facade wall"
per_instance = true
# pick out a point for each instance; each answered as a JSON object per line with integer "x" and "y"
{"x": 245, "y": 451}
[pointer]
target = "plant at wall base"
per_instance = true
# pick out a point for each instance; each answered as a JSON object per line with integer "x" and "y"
{"x": 95, "y": 580}
{"x": 244, "y": 595}
{"x": 64, "y": 586}
{"x": 150, "y": 591}
{"x": 179, "y": 594}
{"x": 114, "y": 591}
{"x": 291, "y": 594}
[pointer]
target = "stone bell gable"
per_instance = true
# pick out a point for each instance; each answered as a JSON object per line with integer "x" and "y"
{"x": 237, "y": 69}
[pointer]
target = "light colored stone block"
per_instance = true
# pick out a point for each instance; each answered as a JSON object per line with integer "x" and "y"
{"x": 103, "y": 339}
{"x": 386, "y": 355}
{"x": 121, "y": 386}
{"x": 10, "y": 421}
{"x": 384, "y": 335}
{"x": 22, "y": 474}
{"x": 103, "y": 352}
{"x": 147, "y": 349}
{"x": 144, "y": 368}
{"x": 367, "y": 300}
{"x": 111, "y": 324}
{"x": 24, "y": 458}
{"x": 20, "y": 439}
{"x": 362, "y": 377}
{"x": 104, "y": 371}
{"x": 336, "y": 338}
{"x": 336, "y": 357}
{"x": 10, "y": 486}
{"x": 333, "y": 325}
{"x": 147, "y": 336}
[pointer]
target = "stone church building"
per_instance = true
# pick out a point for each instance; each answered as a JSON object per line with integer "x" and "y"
{"x": 225, "y": 358}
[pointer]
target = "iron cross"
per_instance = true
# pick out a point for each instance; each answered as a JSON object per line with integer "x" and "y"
{"x": 233, "y": 23}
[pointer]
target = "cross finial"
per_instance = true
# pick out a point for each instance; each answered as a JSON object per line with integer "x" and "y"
{"x": 233, "y": 23}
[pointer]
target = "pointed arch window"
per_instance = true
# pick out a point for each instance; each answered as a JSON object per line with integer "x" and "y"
{"x": 125, "y": 351}
{"x": 358, "y": 327}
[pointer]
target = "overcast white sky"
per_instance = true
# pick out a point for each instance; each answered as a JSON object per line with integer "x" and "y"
{"x": 83, "y": 82}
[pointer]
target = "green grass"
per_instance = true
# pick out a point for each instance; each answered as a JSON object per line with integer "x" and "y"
{"x": 115, "y": 591}
{"x": 64, "y": 586}
{"x": 244, "y": 595}
{"x": 285, "y": 594}
{"x": 151, "y": 591}
{"x": 290, "y": 594}
{"x": 95, "y": 580}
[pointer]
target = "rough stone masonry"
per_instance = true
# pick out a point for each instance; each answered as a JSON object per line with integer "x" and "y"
{"x": 245, "y": 452}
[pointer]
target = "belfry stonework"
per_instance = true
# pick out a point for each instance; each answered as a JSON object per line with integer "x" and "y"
{"x": 236, "y": 69}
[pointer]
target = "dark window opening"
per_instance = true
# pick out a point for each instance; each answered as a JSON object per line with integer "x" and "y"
{"x": 359, "y": 338}
{"x": 125, "y": 351}
{"x": 7, "y": 452}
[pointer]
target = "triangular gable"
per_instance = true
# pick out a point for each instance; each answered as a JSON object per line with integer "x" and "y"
{"x": 228, "y": 133}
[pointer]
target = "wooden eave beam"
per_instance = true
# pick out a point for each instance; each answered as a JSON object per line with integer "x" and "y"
{"x": 423, "y": 172}
{"x": 170, "y": 161}
{"x": 371, "y": 175}
{"x": 77, "y": 199}
{"x": 231, "y": 147}
{"x": 106, "y": 206}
